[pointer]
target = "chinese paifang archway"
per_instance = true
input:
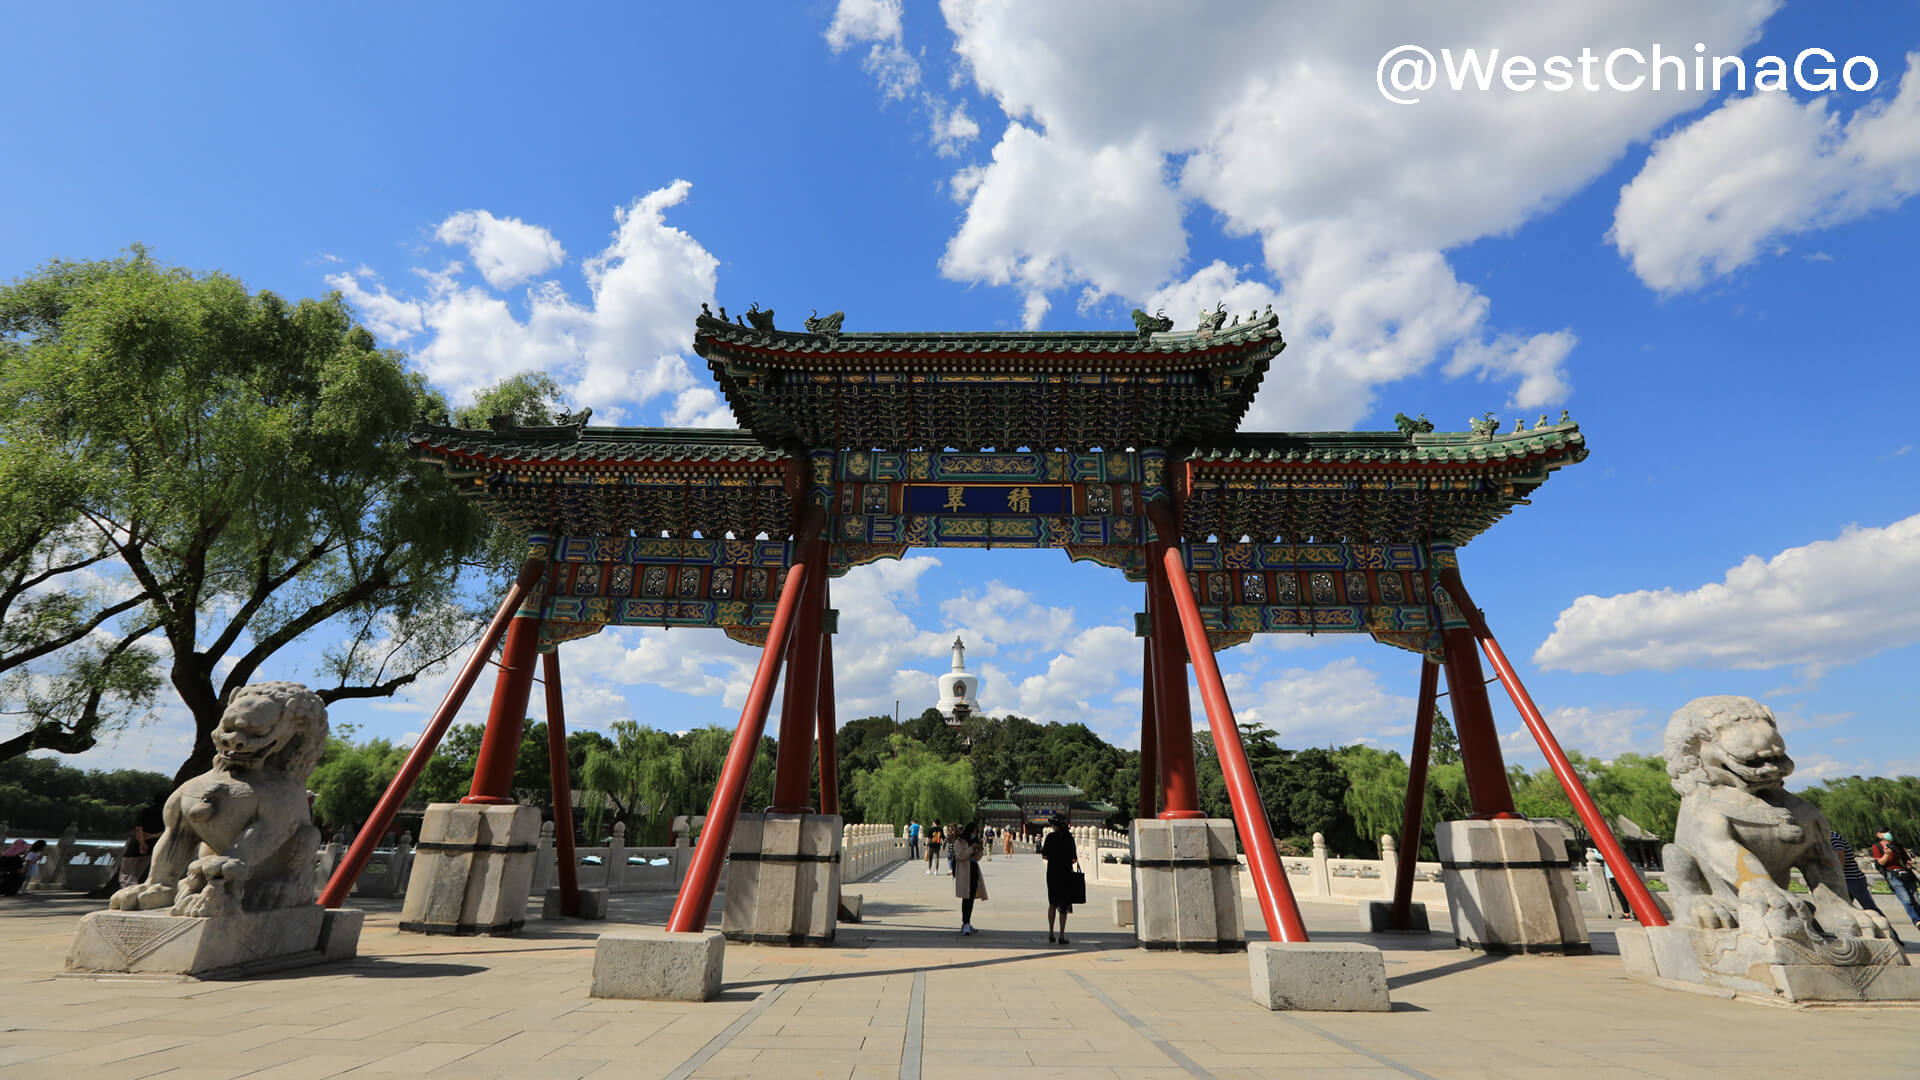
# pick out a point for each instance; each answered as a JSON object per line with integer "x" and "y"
{"x": 1116, "y": 448}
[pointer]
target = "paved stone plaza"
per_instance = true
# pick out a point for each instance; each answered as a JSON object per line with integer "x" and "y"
{"x": 900, "y": 995}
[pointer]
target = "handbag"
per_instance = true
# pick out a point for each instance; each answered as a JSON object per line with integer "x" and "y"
{"x": 1076, "y": 886}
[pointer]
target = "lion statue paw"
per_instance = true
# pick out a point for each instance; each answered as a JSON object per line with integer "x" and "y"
{"x": 213, "y": 886}
{"x": 142, "y": 898}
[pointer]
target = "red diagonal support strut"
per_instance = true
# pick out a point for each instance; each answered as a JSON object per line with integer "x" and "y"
{"x": 690, "y": 908}
{"x": 355, "y": 860}
{"x": 1149, "y": 738}
{"x": 1624, "y": 872}
{"x": 1277, "y": 905}
{"x": 793, "y": 761}
{"x": 559, "y": 769}
{"x": 827, "y": 721}
{"x": 1410, "y": 825}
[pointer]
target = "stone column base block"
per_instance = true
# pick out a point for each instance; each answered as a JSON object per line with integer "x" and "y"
{"x": 1320, "y": 976}
{"x": 783, "y": 879}
{"x": 1510, "y": 887}
{"x": 472, "y": 870}
{"x": 253, "y": 942}
{"x": 850, "y": 903}
{"x": 1376, "y": 917}
{"x": 1732, "y": 962}
{"x": 1185, "y": 895}
{"x": 593, "y": 904}
{"x": 340, "y": 932}
{"x": 1123, "y": 911}
{"x": 658, "y": 965}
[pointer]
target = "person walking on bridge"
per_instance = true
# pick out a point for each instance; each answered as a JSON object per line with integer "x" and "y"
{"x": 934, "y": 836}
{"x": 968, "y": 883}
{"x": 1062, "y": 857}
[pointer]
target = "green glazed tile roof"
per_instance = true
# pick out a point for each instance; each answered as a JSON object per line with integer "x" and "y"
{"x": 984, "y": 343}
{"x": 998, "y": 804}
{"x": 971, "y": 391}
{"x": 1391, "y": 447}
{"x": 566, "y": 443}
{"x": 1047, "y": 790}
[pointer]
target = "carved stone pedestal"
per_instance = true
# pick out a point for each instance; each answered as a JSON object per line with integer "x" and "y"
{"x": 783, "y": 879}
{"x": 1510, "y": 887}
{"x": 254, "y": 942}
{"x": 1846, "y": 969}
{"x": 1185, "y": 895}
{"x": 471, "y": 870}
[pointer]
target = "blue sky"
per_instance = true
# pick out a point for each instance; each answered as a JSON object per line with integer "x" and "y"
{"x": 1716, "y": 285}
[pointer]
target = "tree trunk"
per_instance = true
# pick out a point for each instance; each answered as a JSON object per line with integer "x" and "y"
{"x": 193, "y": 679}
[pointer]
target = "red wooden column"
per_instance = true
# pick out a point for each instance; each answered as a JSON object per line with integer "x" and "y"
{"x": 1277, "y": 905}
{"x": 500, "y": 744}
{"x": 1480, "y": 757}
{"x": 1410, "y": 824}
{"x": 559, "y": 769}
{"x": 1149, "y": 738}
{"x": 695, "y": 900}
{"x": 1638, "y": 898}
{"x": 1172, "y": 711}
{"x": 793, "y": 765}
{"x": 829, "y": 734}
{"x": 355, "y": 859}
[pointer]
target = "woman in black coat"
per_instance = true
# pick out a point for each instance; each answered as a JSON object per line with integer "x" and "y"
{"x": 1062, "y": 858}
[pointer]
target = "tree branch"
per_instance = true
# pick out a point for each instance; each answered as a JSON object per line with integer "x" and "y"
{"x": 365, "y": 590}
{"x": 55, "y": 644}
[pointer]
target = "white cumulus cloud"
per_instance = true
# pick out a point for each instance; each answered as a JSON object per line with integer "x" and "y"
{"x": 506, "y": 251}
{"x": 1731, "y": 186}
{"x": 1819, "y": 606}
{"x": 621, "y": 348}
{"x": 1124, "y": 128}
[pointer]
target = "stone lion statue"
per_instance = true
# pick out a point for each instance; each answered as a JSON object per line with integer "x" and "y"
{"x": 239, "y": 836}
{"x": 1740, "y": 833}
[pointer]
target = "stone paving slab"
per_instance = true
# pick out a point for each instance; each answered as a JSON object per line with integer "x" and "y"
{"x": 1002, "y": 1003}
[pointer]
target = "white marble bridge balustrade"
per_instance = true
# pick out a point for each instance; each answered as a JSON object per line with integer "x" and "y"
{"x": 866, "y": 850}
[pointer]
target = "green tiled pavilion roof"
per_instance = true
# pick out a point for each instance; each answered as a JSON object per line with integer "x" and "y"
{"x": 922, "y": 346}
{"x": 971, "y": 391}
{"x": 576, "y": 443}
{"x": 612, "y": 481}
{"x": 1067, "y": 791}
{"x": 1392, "y": 447}
{"x": 998, "y": 804}
{"x": 1369, "y": 486}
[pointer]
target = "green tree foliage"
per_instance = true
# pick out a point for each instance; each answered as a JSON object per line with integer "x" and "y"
{"x": 916, "y": 784}
{"x": 39, "y": 795}
{"x": 350, "y": 778}
{"x": 1860, "y": 806}
{"x": 227, "y": 469}
{"x": 1444, "y": 746}
{"x": 860, "y": 745}
{"x": 650, "y": 777}
{"x": 1376, "y": 791}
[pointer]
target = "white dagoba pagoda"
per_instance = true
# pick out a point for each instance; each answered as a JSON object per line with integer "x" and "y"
{"x": 958, "y": 689}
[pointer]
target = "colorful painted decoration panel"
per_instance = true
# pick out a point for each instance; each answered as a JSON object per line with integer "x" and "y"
{"x": 987, "y": 499}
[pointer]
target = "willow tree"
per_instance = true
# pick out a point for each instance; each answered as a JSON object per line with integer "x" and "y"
{"x": 194, "y": 478}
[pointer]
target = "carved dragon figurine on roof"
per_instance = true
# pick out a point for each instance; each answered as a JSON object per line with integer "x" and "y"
{"x": 829, "y": 326}
{"x": 761, "y": 320}
{"x": 1147, "y": 325}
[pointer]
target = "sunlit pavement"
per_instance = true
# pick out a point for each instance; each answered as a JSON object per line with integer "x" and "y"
{"x": 900, "y": 994}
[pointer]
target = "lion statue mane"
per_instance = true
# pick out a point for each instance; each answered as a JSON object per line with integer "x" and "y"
{"x": 1740, "y": 834}
{"x": 240, "y": 836}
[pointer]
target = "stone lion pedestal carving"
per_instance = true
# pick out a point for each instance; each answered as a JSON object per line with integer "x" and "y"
{"x": 230, "y": 889}
{"x": 1736, "y": 926}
